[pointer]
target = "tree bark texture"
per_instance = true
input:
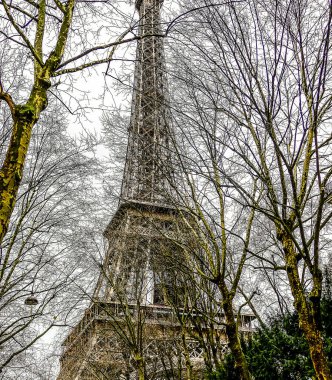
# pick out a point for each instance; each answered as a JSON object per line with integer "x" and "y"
{"x": 305, "y": 308}
{"x": 25, "y": 118}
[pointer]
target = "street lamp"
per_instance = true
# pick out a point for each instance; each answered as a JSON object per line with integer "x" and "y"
{"x": 31, "y": 300}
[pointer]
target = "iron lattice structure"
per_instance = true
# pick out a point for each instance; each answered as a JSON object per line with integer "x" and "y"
{"x": 132, "y": 330}
{"x": 149, "y": 168}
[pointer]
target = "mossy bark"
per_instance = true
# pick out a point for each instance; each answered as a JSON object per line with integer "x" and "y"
{"x": 25, "y": 118}
{"x": 306, "y": 308}
{"x": 140, "y": 367}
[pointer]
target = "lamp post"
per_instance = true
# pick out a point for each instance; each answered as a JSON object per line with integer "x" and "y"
{"x": 31, "y": 301}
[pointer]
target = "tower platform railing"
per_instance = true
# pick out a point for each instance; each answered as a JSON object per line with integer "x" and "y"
{"x": 101, "y": 311}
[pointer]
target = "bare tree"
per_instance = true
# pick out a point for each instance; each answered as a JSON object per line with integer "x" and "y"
{"x": 262, "y": 73}
{"x": 45, "y": 40}
{"x": 46, "y": 245}
{"x": 219, "y": 234}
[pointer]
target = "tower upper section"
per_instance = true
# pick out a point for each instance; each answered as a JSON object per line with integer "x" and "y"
{"x": 148, "y": 168}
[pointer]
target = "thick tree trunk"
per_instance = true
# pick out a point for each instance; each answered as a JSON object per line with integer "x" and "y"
{"x": 24, "y": 118}
{"x": 316, "y": 347}
{"x": 308, "y": 322}
{"x": 12, "y": 168}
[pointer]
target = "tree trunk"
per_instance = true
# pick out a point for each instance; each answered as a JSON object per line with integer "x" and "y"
{"x": 241, "y": 366}
{"x": 24, "y": 118}
{"x": 307, "y": 316}
{"x": 140, "y": 367}
{"x": 12, "y": 168}
{"x": 189, "y": 368}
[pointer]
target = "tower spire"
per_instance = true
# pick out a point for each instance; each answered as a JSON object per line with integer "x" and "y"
{"x": 148, "y": 167}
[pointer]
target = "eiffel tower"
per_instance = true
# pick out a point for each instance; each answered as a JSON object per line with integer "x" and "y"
{"x": 131, "y": 330}
{"x": 130, "y": 324}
